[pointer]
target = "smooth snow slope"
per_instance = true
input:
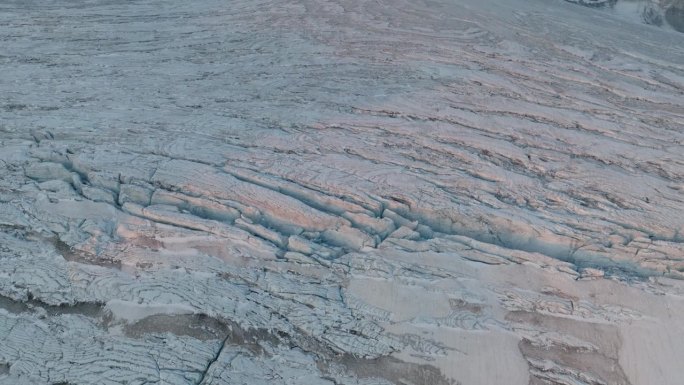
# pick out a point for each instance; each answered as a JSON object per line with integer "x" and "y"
{"x": 339, "y": 192}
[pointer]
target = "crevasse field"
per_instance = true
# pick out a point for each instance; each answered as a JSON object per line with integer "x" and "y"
{"x": 357, "y": 192}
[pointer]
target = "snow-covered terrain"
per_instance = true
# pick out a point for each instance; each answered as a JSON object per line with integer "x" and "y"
{"x": 425, "y": 192}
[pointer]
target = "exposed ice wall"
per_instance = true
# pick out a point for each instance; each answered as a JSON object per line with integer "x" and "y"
{"x": 660, "y": 13}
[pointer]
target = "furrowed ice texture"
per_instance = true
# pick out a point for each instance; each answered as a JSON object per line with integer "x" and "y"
{"x": 340, "y": 192}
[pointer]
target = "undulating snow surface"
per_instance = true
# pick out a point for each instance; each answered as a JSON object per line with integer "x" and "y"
{"x": 473, "y": 192}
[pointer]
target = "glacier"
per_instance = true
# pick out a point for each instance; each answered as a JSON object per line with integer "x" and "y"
{"x": 424, "y": 192}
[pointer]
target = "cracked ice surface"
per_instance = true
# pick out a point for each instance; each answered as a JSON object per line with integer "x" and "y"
{"x": 339, "y": 192}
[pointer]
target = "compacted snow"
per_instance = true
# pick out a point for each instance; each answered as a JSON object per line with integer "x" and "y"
{"x": 472, "y": 192}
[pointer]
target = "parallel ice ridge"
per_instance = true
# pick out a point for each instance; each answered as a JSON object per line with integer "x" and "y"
{"x": 339, "y": 192}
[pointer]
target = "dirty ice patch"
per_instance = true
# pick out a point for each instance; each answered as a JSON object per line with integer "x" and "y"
{"x": 131, "y": 312}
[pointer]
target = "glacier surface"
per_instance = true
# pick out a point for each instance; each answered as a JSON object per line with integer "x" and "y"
{"x": 423, "y": 192}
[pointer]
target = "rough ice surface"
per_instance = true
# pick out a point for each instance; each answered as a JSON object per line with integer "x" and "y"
{"x": 341, "y": 192}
